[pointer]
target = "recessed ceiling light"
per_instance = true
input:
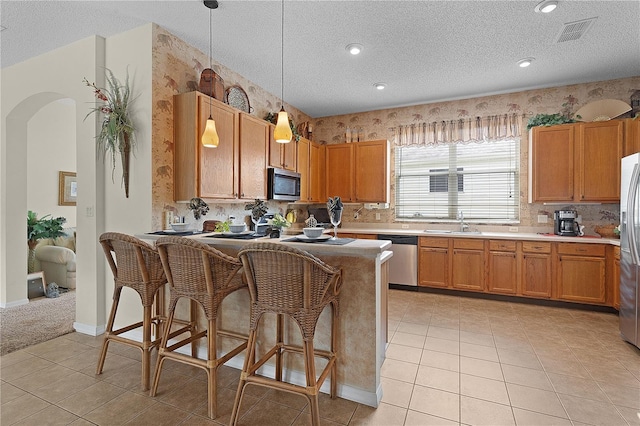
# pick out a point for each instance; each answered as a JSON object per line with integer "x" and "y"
{"x": 354, "y": 48}
{"x": 523, "y": 63}
{"x": 379, "y": 86}
{"x": 546, "y": 6}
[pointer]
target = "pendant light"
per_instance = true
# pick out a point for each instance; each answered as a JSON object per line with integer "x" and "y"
{"x": 282, "y": 133}
{"x": 210, "y": 137}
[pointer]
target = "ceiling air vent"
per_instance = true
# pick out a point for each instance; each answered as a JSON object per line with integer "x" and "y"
{"x": 575, "y": 30}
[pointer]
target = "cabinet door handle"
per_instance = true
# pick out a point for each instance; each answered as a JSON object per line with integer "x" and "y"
{"x": 242, "y": 195}
{"x": 581, "y": 250}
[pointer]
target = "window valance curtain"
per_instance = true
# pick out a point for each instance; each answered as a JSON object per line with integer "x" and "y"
{"x": 478, "y": 129}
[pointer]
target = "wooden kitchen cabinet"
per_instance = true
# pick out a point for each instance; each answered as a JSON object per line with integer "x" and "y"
{"x": 502, "y": 267}
{"x": 358, "y": 172}
{"x": 467, "y": 264}
{"x": 282, "y": 155}
{"x": 576, "y": 162}
{"x": 433, "y": 262}
{"x": 615, "y": 279}
{"x": 199, "y": 171}
{"x": 254, "y": 137}
{"x": 535, "y": 278}
{"x": 581, "y": 273}
{"x": 631, "y": 136}
{"x": 310, "y": 165}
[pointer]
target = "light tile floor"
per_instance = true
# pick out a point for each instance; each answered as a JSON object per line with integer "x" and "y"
{"x": 451, "y": 360}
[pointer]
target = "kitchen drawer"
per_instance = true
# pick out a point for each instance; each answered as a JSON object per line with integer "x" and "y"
{"x": 501, "y": 245}
{"x": 581, "y": 249}
{"x": 460, "y": 243}
{"x": 536, "y": 247}
{"x": 434, "y": 242}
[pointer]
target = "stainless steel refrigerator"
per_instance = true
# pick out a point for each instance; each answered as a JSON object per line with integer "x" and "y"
{"x": 630, "y": 249}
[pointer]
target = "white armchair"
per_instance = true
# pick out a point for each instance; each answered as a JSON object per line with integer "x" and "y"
{"x": 58, "y": 261}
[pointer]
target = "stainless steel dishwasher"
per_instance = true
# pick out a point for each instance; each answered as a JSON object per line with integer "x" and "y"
{"x": 403, "y": 266}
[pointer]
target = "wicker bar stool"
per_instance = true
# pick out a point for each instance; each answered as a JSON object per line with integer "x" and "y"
{"x": 135, "y": 264}
{"x": 205, "y": 276}
{"x": 287, "y": 281}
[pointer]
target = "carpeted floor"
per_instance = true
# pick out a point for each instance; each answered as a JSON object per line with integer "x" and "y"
{"x": 40, "y": 320}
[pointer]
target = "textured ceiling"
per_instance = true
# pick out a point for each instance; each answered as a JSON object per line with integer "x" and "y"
{"x": 425, "y": 51}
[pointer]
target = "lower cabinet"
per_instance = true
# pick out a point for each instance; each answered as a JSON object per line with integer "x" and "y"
{"x": 535, "y": 279}
{"x": 503, "y": 267}
{"x": 581, "y": 273}
{"x": 433, "y": 262}
{"x": 467, "y": 264}
{"x": 615, "y": 279}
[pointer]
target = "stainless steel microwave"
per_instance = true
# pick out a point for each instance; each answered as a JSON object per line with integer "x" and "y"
{"x": 283, "y": 185}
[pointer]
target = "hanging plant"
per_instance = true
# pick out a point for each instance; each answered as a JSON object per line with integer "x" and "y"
{"x": 116, "y": 135}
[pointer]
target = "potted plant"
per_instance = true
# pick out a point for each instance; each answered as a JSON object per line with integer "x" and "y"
{"x": 116, "y": 135}
{"x": 548, "y": 120}
{"x": 45, "y": 227}
{"x": 277, "y": 223}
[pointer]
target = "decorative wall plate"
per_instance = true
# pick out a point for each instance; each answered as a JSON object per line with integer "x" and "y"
{"x": 237, "y": 98}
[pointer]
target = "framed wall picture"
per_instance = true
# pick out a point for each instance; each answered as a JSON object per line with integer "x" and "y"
{"x": 67, "y": 189}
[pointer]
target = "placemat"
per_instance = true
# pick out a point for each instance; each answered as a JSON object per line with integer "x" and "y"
{"x": 236, "y": 237}
{"x": 174, "y": 233}
{"x": 337, "y": 242}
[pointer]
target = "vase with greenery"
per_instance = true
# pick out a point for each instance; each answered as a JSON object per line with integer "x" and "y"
{"x": 37, "y": 229}
{"x": 276, "y": 224}
{"x": 116, "y": 135}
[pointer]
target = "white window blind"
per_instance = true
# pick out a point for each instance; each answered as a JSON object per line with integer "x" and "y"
{"x": 438, "y": 180}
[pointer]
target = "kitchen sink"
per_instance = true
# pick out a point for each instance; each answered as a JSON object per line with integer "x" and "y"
{"x": 445, "y": 231}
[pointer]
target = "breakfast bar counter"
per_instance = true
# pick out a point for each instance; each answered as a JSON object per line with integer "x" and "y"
{"x": 362, "y": 319}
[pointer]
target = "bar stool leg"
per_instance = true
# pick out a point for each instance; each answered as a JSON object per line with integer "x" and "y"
{"x": 161, "y": 358}
{"x": 112, "y": 317}
{"x": 310, "y": 370}
{"x": 212, "y": 369}
{"x": 279, "y": 343}
{"x": 334, "y": 370}
{"x": 248, "y": 361}
{"x": 146, "y": 347}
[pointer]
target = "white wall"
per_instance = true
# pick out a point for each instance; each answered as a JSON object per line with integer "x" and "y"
{"x": 51, "y": 148}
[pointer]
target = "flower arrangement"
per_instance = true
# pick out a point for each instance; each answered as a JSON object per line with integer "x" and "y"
{"x": 117, "y": 131}
{"x": 279, "y": 221}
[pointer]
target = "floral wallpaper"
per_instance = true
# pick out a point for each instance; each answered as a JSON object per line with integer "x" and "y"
{"x": 566, "y": 99}
{"x": 177, "y": 67}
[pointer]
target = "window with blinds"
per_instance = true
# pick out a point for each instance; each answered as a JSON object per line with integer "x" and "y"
{"x": 434, "y": 182}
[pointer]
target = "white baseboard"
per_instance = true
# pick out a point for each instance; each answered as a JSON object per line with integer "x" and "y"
{"x": 91, "y": 330}
{"x": 14, "y": 303}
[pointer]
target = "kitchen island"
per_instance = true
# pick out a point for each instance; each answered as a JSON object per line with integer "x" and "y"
{"x": 362, "y": 320}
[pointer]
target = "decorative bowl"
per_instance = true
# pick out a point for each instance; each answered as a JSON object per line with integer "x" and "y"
{"x": 237, "y": 227}
{"x": 180, "y": 227}
{"x": 312, "y": 232}
{"x": 606, "y": 231}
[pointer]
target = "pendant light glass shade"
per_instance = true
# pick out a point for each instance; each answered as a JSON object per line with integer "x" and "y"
{"x": 282, "y": 132}
{"x": 210, "y": 137}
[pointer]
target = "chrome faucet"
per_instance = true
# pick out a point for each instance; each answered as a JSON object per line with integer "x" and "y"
{"x": 463, "y": 226}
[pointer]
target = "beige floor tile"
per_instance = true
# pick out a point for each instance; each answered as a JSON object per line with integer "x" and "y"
{"x": 85, "y": 339}
{"x": 404, "y": 353}
{"x": 406, "y": 339}
{"x": 20, "y": 408}
{"x": 396, "y": 392}
{"x": 226, "y": 398}
{"x": 120, "y": 410}
{"x": 478, "y": 412}
{"x": 576, "y": 386}
{"x": 622, "y": 395}
{"x": 443, "y": 333}
{"x": 13, "y": 371}
{"x": 442, "y": 345}
{"x": 13, "y": 358}
{"x": 68, "y": 350}
{"x": 51, "y": 415}
{"x": 481, "y": 368}
{"x": 477, "y": 351}
{"x": 160, "y": 415}
{"x": 477, "y": 338}
{"x": 296, "y": 402}
{"x": 8, "y": 392}
{"x": 526, "y": 377}
{"x": 399, "y": 370}
{"x": 631, "y": 415}
{"x": 337, "y": 410}
{"x": 518, "y": 358}
{"x": 567, "y": 367}
{"x": 591, "y": 412}
{"x": 439, "y": 379}
{"x": 186, "y": 397}
{"x": 415, "y": 418}
{"x": 537, "y": 400}
{"x": 530, "y": 418}
{"x": 60, "y": 389}
{"x": 412, "y": 328}
{"x": 609, "y": 373}
{"x": 385, "y": 414}
{"x": 481, "y": 388}
{"x": 440, "y": 360}
{"x": 40, "y": 378}
{"x": 304, "y": 419}
{"x": 89, "y": 399}
{"x": 436, "y": 403}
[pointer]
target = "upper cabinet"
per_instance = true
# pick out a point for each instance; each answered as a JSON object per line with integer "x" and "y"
{"x": 576, "y": 162}
{"x": 282, "y": 155}
{"x": 358, "y": 172}
{"x": 631, "y": 136}
{"x": 311, "y": 168}
{"x": 235, "y": 169}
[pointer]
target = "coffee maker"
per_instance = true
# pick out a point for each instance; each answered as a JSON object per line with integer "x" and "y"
{"x": 565, "y": 223}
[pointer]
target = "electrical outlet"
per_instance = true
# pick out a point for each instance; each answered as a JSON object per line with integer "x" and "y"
{"x": 89, "y": 211}
{"x": 542, "y": 218}
{"x": 513, "y": 229}
{"x": 405, "y": 226}
{"x": 377, "y": 216}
